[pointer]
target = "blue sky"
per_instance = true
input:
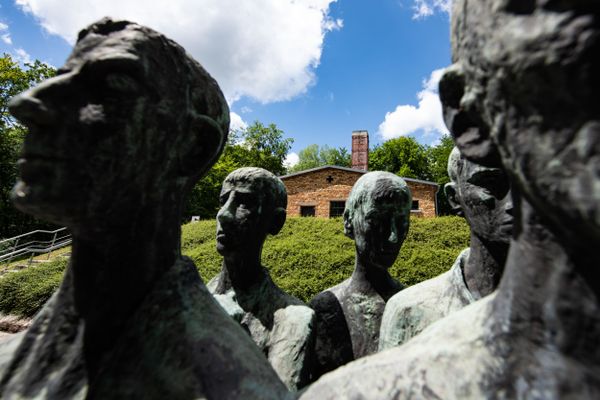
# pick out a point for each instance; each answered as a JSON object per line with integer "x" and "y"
{"x": 318, "y": 69}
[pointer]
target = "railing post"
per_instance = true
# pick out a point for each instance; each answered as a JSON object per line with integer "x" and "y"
{"x": 52, "y": 245}
{"x": 13, "y": 251}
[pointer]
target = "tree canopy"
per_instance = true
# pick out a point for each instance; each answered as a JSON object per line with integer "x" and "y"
{"x": 14, "y": 79}
{"x": 255, "y": 146}
{"x": 403, "y": 156}
{"x": 314, "y": 156}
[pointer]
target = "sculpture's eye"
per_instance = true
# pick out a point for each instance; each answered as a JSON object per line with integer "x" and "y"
{"x": 121, "y": 82}
{"x": 493, "y": 180}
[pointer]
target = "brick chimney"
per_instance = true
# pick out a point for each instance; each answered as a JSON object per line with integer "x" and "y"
{"x": 360, "y": 150}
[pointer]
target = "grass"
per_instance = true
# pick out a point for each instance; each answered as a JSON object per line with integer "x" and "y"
{"x": 306, "y": 257}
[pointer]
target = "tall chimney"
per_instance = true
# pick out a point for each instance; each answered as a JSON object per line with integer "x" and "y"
{"x": 360, "y": 150}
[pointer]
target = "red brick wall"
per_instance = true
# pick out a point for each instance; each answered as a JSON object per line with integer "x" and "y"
{"x": 312, "y": 181}
{"x": 313, "y": 189}
{"x": 319, "y": 198}
{"x": 426, "y": 196}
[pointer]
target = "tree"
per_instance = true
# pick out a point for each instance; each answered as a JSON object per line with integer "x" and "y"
{"x": 261, "y": 146}
{"x": 438, "y": 166}
{"x": 314, "y": 156}
{"x": 13, "y": 80}
{"x": 403, "y": 156}
{"x": 438, "y": 159}
{"x": 256, "y": 146}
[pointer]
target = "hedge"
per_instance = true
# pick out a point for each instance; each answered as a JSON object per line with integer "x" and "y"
{"x": 306, "y": 257}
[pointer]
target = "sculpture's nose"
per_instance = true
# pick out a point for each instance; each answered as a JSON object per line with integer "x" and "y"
{"x": 30, "y": 110}
{"x": 225, "y": 213}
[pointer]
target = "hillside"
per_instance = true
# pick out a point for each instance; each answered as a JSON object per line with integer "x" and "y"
{"x": 306, "y": 257}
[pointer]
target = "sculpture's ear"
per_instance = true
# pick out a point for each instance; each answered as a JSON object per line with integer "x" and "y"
{"x": 463, "y": 118}
{"x": 278, "y": 221}
{"x": 452, "y": 196}
{"x": 348, "y": 228}
{"x": 201, "y": 146}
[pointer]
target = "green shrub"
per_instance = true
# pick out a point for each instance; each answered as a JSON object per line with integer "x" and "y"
{"x": 306, "y": 257}
{"x": 311, "y": 254}
{"x": 24, "y": 292}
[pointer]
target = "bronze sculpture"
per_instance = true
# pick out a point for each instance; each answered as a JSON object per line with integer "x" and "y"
{"x": 482, "y": 196}
{"x": 115, "y": 142}
{"x": 253, "y": 203}
{"x": 376, "y": 217}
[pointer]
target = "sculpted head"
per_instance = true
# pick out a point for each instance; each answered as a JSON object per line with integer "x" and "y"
{"x": 131, "y": 121}
{"x": 377, "y": 217}
{"x": 523, "y": 91}
{"x": 482, "y": 195}
{"x": 253, "y": 203}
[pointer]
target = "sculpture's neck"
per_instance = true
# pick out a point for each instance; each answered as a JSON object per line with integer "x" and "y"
{"x": 484, "y": 266}
{"x": 367, "y": 278}
{"x": 113, "y": 270}
{"x": 548, "y": 293}
{"x": 240, "y": 271}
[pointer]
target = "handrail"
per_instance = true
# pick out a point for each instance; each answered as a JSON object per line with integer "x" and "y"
{"x": 32, "y": 247}
{"x": 31, "y": 233}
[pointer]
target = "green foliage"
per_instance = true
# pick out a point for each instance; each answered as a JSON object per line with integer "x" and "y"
{"x": 14, "y": 80}
{"x": 438, "y": 165}
{"x": 261, "y": 146}
{"x": 403, "y": 156}
{"x": 24, "y": 292}
{"x": 312, "y": 254}
{"x": 256, "y": 146}
{"x": 308, "y": 256}
{"x": 314, "y": 156}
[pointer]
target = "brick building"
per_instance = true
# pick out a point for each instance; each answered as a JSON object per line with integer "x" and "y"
{"x": 322, "y": 191}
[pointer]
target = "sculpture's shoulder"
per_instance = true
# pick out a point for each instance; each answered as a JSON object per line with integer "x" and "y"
{"x": 8, "y": 347}
{"x": 447, "y": 360}
{"x": 212, "y": 284}
{"x": 46, "y": 360}
{"x": 331, "y": 297}
{"x": 184, "y": 345}
{"x": 411, "y": 310}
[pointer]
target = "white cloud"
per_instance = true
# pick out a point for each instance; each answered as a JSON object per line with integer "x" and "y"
{"x": 246, "y": 110}
{"x": 425, "y": 8}
{"x": 291, "y": 160}
{"x": 426, "y": 116}
{"x": 237, "y": 123}
{"x": 22, "y": 56}
{"x": 264, "y": 49}
{"x": 5, "y": 34}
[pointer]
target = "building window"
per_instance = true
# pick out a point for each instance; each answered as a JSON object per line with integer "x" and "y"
{"x": 415, "y": 205}
{"x": 336, "y": 208}
{"x": 307, "y": 211}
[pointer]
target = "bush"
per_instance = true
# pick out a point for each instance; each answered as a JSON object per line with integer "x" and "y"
{"x": 311, "y": 254}
{"x": 306, "y": 257}
{"x": 24, "y": 292}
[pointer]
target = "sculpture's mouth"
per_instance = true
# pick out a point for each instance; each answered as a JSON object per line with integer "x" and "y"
{"x": 35, "y": 168}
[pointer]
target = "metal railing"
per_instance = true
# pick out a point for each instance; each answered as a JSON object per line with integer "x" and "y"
{"x": 29, "y": 244}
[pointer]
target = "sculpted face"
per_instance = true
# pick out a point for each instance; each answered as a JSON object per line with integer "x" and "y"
{"x": 380, "y": 219}
{"x": 528, "y": 70}
{"x": 77, "y": 122}
{"x": 130, "y": 120}
{"x": 248, "y": 211}
{"x": 483, "y": 196}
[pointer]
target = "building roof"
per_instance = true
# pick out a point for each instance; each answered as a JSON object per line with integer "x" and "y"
{"x": 359, "y": 171}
